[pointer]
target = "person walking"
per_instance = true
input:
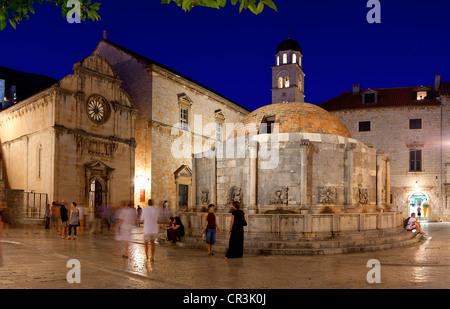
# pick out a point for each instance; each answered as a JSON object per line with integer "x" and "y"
{"x": 64, "y": 215}
{"x": 74, "y": 220}
{"x": 126, "y": 221}
{"x": 210, "y": 229}
{"x": 150, "y": 217}
{"x": 82, "y": 218}
{"x": 236, "y": 242}
{"x": 48, "y": 216}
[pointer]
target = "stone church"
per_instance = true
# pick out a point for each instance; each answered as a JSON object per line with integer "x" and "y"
{"x": 121, "y": 128}
{"x": 177, "y": 116}
{"x": 73, "y": 141}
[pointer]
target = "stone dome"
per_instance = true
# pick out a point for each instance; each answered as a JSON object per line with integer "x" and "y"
{"x": 293, "y": 117}
{"x": 289, "y": 44}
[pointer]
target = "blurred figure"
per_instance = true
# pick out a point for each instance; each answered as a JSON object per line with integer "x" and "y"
{"x": 82, "y": 218}
{"x": 138, "y": 214}
{"x": 165, "y": 213}
{"x": 177, "y": 231}
{"x": 64, "y": 215}
{"x": 74, "y": 220}
{"x": 48, "y": 216}
{"x": 150, "y": 216}
{"x": 53, "y": 222}
{"x": 126, "y": 220}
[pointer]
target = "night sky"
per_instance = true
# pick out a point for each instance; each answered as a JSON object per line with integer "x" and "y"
{"x": 233, "y": 53}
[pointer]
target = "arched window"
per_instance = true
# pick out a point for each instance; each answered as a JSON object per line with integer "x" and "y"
{"x": 284, "y": 58}
{"x": 280, "y": 82}
{"x": 278, "y": 60}
{"x": 286, "y": 82}
{"x": 39, "y": 159}
{"x": 294, "y": 58}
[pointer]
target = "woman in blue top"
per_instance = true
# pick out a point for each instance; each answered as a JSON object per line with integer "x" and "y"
{"x": 74, "y": 220}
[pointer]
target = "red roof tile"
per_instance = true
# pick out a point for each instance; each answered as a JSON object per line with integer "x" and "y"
{"x": 386, "y": 97}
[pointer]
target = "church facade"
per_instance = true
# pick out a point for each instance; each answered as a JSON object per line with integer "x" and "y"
{"x": 73, "y": 141}
{"x": 177, "y": 117}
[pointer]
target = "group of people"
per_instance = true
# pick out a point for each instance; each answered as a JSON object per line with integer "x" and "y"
{"x": 65, "y": 219}
{"x": 236, "y": 232}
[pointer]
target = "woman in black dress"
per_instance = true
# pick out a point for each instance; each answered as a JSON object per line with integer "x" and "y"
{"x": 236, "y": 244}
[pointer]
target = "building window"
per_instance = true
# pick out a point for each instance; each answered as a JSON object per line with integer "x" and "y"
{"x": 267, "y": 125}
{"x": 364, "y": 126}
{"x": 415, "y": 160}
{"x": 184, "y": 118}
{"x": 280, "y": 82}
{"x": 415, "y": 124}
{"x": 294, "y": 58}
{"x": 219, "y": 131}
{"x": 284, "y": 58}
{"x": 286, "y": 82}
{"x": 278, "y": 60}
{"x": 370, "y": 97}
{"x": 421, "y": 95}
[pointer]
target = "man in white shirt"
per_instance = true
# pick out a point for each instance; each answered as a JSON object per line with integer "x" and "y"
{"x": 413, "y": 224}
{"x": 150, "y": 217}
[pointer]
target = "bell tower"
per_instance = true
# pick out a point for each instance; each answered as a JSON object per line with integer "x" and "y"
{"x": 288, "y": 79}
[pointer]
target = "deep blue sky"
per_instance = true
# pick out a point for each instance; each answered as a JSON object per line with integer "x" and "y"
{"x": 233, "y": 53}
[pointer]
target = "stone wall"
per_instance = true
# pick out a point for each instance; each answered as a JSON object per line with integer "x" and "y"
{"x": 319, "y": 173}
{"x": 390, "y": 132}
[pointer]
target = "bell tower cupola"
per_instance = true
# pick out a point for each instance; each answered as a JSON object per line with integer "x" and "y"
{"x": 287, "y": 75}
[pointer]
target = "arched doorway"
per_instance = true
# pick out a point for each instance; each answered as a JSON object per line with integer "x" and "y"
{"x": 417, "y": 200}
{"x": 96, "y": 198}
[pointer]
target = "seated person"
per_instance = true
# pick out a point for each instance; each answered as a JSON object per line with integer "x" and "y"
{"x": 177, "y": 231}
{"x": 169, "y": 227}
{"x": 413, "y": 224}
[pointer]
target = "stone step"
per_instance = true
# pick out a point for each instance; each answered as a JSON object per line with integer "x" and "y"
{"x": 270, "y": 247}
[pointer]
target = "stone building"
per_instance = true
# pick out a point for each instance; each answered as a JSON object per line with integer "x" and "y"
{"x": 410, "y": 125}
{"x": 73, "y": 141}
{"x": 177, "y": 117}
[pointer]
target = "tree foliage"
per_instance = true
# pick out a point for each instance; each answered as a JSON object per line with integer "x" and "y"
{"x": 14, "y": 11}
{"x": 255, "y": 6}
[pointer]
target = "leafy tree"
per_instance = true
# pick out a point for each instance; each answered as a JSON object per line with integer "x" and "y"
{"x": 14, "y": 11}
{"x": 187, "y": 5}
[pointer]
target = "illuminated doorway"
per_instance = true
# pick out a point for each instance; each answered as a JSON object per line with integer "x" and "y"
{"x": 417, "y": 200}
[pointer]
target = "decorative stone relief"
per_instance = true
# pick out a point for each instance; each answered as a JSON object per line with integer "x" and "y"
{"x": 234, "y": 195}
{"x": 363, "y": 195}
{"x": 281, "y": 196}
{"x": 327, "y": 195}
{"x": 90, "y": 146}
{"x": 205, "y": 197}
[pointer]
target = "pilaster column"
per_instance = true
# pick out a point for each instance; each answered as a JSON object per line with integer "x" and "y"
{"x": 304, "y": 145}
{"x": 194, "y": 185}
{"x": 213, "y": 184}
{"x": 349, "y": 174}
{"x": 388, "y": 181}
{"x": 380, "y": 154}
{"x": 253, "y": 170}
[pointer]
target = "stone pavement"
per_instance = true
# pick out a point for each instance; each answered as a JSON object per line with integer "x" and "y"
{"x": 38, "y": 260}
